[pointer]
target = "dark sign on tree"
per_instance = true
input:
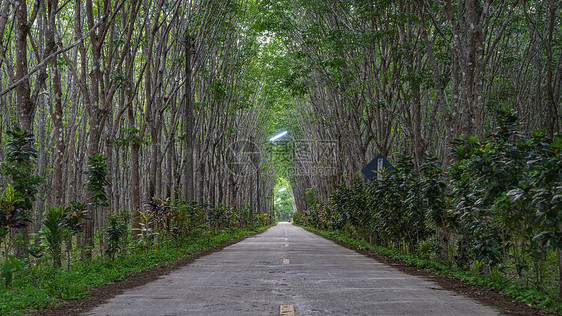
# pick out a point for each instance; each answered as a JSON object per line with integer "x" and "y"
{"x": 378, "y": 167}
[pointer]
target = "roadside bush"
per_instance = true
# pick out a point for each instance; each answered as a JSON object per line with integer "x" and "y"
{"x": 497, "y": 210}
{"x": 54, "y": 232}
{"x": 116, "y": 232}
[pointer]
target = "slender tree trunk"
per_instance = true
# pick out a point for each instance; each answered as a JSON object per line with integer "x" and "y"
{"x": 97, "y": 120}
{"x": 135, "y": 186}
{"x": 552, "y": 111}
{"x": 559, "y": 252}
{"x": 57, "y": 112}
{"x": 188, "y": 181}
{"x": 71, "y": 162}
{"x": 26, "y": 107}
{"x": 56, "y": 116}
{"x": 441, "y": 100}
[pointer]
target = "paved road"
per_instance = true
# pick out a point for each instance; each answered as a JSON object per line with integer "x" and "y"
{"x": 289, "y": 266}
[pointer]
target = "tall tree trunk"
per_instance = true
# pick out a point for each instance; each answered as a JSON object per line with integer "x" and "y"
{"x": 135, "y": 177}
{"x": 559, "y": 252}
{"x": 552, "y": 110}
{"x": 441, "y": 100}
{"x": 97, "y": 120}
{"x": 26, "y": 107}
{"x": 188, "y": 181}
{"x": 56, "y": 112}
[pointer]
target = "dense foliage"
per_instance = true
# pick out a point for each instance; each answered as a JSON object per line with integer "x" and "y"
{"x": 19, "y": 167}
{"x": 408, "y": 77}
{"x": 115, "y": 117}
{"x": 169, "y": 231}
{"x": 496, "y": 211}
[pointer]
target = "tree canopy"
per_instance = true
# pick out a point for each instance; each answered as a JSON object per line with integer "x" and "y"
{"x": 137, "y": 100}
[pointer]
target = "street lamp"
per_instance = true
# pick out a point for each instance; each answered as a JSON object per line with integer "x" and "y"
{"x": 276, "y": 137}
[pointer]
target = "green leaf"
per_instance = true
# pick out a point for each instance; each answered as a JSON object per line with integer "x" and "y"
{"x": 515, "y": 195}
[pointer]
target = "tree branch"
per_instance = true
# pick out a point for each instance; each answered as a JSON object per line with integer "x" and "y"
{"x": 48, "y": 58}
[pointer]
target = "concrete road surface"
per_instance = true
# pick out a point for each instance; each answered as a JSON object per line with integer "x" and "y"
{"x": 289, "y": 271}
